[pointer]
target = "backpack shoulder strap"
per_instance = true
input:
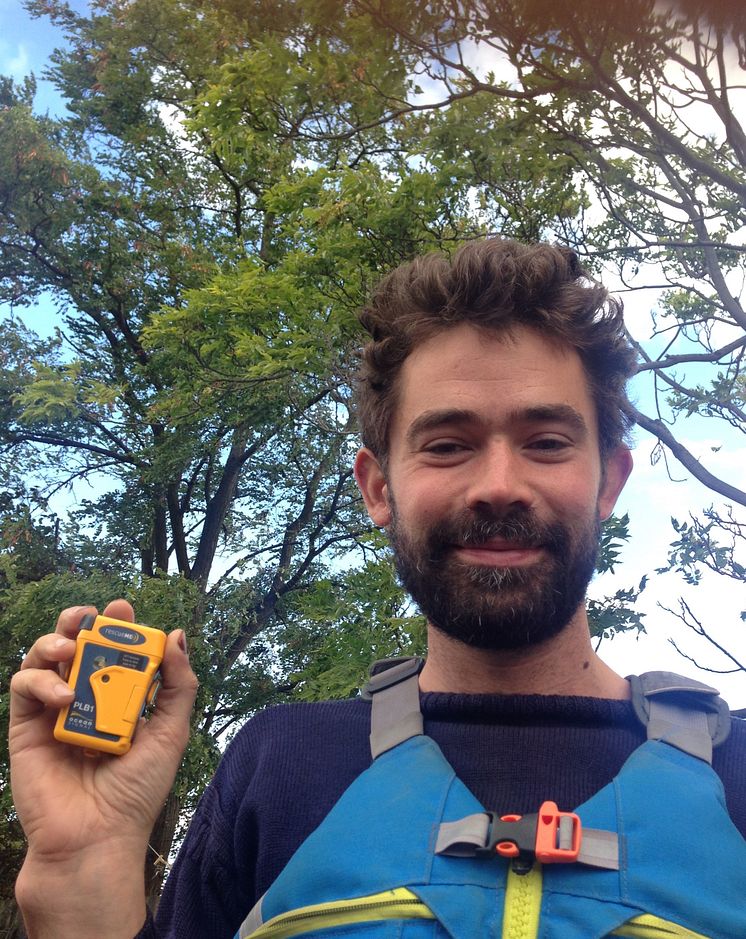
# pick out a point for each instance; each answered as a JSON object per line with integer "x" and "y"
{"x": 394, "y": 692}
{"x": 684, "y": 713}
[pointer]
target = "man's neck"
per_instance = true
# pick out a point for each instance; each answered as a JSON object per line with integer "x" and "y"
{"x": 564, "y": 665}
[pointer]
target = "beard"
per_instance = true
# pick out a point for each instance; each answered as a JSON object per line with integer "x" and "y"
{"x": 497, "y": 608}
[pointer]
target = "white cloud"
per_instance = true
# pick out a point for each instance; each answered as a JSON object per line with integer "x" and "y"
{"x": 17, "y": 66}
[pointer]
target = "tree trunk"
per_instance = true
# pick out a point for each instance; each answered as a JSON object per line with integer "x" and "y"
{"x": 11, "y": 922}
{"x": 160, "y": 534}
{"x": 159, "y": 849}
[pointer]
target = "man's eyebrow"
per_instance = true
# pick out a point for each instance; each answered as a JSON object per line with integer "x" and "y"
{"x": 431, "y": 420}
{"x": 535, "y": 414}
{"x": 553, "y": 413}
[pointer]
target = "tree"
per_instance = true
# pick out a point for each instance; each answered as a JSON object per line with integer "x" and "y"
{"x": 197, "y": 381}
{"x": 205, "y": 254}
{"x": 640, "y": 102}
{"x": 696, "y": 549}
{"x": 227, "y": 185}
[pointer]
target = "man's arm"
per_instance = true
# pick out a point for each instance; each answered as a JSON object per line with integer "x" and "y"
{"x": 88, "y": 819}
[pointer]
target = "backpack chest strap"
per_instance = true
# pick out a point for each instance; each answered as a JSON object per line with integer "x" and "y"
{"x": 549, "y": 836}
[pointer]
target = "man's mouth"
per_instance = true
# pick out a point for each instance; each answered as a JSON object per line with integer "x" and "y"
{"x": 499, "y": 553}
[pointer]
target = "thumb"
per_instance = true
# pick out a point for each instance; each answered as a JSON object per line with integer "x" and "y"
{"x": 178, "y": 690}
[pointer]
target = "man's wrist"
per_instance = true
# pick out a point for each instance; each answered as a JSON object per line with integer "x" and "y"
{"x": 86, "y": 896}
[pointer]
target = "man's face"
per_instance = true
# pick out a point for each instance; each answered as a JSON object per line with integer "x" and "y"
{"x": 493, "y": 493}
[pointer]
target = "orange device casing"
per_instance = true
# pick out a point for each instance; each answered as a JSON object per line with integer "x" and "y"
{"x": 115, "y": 675}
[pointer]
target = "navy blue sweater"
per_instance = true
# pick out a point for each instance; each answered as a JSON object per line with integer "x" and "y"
{"x": 288, "y": 766}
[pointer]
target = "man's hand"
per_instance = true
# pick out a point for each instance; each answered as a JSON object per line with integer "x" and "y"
{"x": 88, "y": 819}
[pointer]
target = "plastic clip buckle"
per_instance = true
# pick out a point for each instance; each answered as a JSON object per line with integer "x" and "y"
{"x": 510, "y": 836}
{"x": 558, "y": 835}
{"x": 550, "y": 836}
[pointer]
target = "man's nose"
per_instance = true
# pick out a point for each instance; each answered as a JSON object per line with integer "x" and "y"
{"x": 499, "y": 482}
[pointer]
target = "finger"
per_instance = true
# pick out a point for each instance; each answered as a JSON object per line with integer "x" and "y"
{"x": 33, "y": 690}
{"x": 178, "y": 682}
{"x": 120, "y": 609}
{"x": 177, "y": 693}
{"x": 68, "y": 622}
{"x": 49, "y": 652}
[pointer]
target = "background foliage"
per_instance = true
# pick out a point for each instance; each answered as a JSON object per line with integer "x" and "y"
{"x": 228, "y": 182}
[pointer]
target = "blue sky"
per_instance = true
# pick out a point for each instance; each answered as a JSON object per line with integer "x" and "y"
{"x": 650, "y": 497}
{"x": 25, "y": 46}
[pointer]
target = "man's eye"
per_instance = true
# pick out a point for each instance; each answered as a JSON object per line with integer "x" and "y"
{"x": 444, "y": 447}
{"x": 549, "y": 444}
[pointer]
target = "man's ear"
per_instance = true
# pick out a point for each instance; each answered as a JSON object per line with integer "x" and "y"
{"x": 617, "y": 468}
{"x": 372, "y": 484}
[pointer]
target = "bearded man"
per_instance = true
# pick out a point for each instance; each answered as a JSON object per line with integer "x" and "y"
{"x": 492, "y": 408}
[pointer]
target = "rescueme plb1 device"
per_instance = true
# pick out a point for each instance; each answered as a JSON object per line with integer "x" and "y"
{"x": 115, "y": 676}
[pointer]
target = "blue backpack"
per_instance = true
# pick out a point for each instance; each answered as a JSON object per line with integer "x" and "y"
{"x": 409, "y": 853}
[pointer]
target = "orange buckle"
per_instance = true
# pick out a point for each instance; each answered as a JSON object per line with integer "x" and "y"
{"x": 550, "y": 836}
{"x": 553, "y": 835}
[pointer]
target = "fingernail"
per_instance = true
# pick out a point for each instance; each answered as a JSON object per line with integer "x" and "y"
{"x": 182, "y": 642}
{"x": 59, "y": 642}
{"x": 62, "y": 691}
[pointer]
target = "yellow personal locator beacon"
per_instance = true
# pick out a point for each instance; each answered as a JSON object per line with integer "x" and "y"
{"x": 115, "y": 676}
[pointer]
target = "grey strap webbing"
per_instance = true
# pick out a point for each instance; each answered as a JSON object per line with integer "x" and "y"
{"x": 253, "y": 921}
{"x": 681, "y": 712}
{"x": 395, "y": 703}
{"x": 461, "y": 838}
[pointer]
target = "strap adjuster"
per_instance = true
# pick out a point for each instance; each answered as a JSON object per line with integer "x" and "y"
{"x": 387, "y": 672}
{"x": 550, "y": 836}
{"x": 558, "y": 835}
{"x": 681, "y": 712}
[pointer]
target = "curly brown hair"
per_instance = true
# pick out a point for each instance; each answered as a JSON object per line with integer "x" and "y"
{"x": 498, "y": 285}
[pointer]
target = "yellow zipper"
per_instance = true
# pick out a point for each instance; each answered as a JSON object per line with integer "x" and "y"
{"x": 391, "y": 904}
{"x": 652, "y": 927}
{"x": 522, "y": 904}
{"x": 520, "y": 916}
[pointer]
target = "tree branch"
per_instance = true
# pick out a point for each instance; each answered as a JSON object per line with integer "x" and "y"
{"x": 70, "y": 444}
{"x": 691, "y": 621}
{"x": 658, "y": 429}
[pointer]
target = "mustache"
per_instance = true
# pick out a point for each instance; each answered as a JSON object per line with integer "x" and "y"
{"x": 520, "y": 526}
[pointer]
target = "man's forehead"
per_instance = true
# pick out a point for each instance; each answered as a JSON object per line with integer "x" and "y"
{"x": 468, "y": 374}
{"x": 503, "y": 341}
{"x": 465, "y": 353}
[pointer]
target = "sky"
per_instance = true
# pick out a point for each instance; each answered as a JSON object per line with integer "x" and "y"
{"x": 25, "y": 46}
{"x": 650, "y": 498}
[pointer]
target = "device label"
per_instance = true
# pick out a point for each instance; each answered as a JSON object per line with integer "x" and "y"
{"x": 81, "y": 717}
{"x": 127, "y": 637}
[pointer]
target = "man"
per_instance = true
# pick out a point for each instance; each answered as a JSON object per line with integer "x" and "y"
{"x": 492, "y": 408}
